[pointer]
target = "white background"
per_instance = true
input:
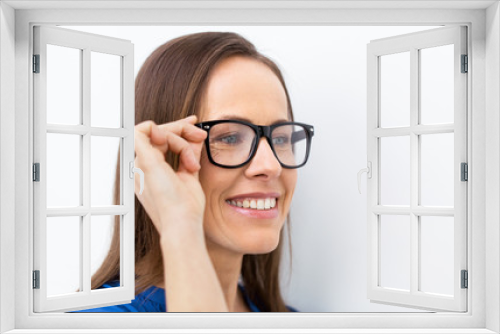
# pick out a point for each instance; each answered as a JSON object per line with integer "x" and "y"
{"x": 325, "y": 71}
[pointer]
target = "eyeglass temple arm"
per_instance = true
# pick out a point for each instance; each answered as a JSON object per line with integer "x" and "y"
{"x": 298, "y": 136}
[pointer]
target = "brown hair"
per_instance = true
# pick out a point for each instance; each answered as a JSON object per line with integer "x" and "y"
{"x": 169, "y": 87}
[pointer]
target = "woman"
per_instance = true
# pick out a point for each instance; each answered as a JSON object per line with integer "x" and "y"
{"x": 213, "y": 141}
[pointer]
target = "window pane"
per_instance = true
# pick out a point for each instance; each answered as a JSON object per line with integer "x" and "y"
{"x": 437, "y": 85}
{"x": 63, "y": 255}
{"x": 63, "y": 85}
{"x": 395, "y": 170}
{"x": 105, "y": 90}
{"x": 437, "y": 169}
{"x": 101, "y": 235}
{"x": 63, "y": 170}
{"x": 395, "y": 90}
{"x": 436, "y": 254}
{"x": 103, "y": 160}
{"x": 395, "y": 252}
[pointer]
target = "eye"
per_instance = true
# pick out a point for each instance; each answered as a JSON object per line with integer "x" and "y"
{"x": 228, "y": 139}
{"x": 280, "y": 141}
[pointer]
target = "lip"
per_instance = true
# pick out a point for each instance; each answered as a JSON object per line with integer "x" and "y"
{"x": 254, "y": 195}
{"x": 253, "y": 213}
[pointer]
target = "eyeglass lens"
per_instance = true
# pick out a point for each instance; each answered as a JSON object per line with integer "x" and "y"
{"x": 231, "y": 144}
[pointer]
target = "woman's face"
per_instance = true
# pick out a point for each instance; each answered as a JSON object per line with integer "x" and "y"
{"x": 245, "y": 89}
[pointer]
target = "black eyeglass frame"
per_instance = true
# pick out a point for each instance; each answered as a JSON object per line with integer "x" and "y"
{"x": 260, "y": 131}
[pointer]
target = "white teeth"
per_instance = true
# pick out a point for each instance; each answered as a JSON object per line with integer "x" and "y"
{"x": 258, "y": 204}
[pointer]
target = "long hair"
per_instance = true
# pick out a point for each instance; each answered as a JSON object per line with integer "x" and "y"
{"x": 169, "y": 87}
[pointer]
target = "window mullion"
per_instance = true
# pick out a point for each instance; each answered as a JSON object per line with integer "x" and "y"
{"x": 127, "y": 268}
{"x": 414, "y": 170}
{"x": 82, "y": 130}
{"x": 419, "y": 211}
{"x": 82, "y": 211}
{"x": 85, "y": 235}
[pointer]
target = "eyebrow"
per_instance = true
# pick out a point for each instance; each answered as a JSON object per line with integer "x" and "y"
{"x": 243, "y": 119}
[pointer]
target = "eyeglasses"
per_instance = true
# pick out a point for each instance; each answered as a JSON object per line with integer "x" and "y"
{"x": 233, "y": 143}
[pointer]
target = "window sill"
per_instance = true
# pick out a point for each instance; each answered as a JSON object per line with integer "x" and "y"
{"x": 257, "y": 331}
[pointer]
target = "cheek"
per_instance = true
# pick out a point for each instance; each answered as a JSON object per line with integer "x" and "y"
{"x": 205, "y": 168}
{"x": 208, "y": 177}
{"x": 209, "y": 180}
{"x": 290, "y": 180}
{"x": 214, "y": 181}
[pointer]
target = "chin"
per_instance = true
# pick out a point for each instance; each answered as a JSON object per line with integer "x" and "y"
{"x": 260, "y": 245}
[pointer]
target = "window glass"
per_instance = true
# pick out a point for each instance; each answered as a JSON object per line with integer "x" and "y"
{"x": 395, "y": 90}
{"x": 436, "y": 254}
{"x": 105, "y": 90}
{"x": 395, "y": 252}
{"x": 63, "y": 255}
{"x": 63, "y": 85}
{"x": 437, "y": 85}
{"x": 437, "y": 169}
{"x": 102, "y": 229}
{"x": 63, "y": 170}
{"x": 395, "y": 170}
{"x": 104, "y": 152}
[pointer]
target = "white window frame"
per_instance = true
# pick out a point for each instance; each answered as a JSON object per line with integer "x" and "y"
{"x": 413, "y": 44}
{"x": 483, "y": 21}
{"x": 86, "y": 44}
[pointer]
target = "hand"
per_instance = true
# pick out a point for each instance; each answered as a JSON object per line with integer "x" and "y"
{"x": 171, "y": 198}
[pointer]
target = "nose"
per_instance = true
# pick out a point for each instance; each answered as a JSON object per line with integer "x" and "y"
{"x": 264, "y": 164}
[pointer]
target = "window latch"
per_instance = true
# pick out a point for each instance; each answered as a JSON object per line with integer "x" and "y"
{"x": 133, "y": 170}
{"x": 368, "y": 171}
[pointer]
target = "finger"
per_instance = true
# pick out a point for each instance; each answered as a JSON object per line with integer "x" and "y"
{"x": 145, "y": 127}
{"x": 184, "y": 149}
{"x": 197, "y": 149}
{"x": 142, "y": 144}
{"x": 184, "y": 128}
{"x": 169, "y": 138}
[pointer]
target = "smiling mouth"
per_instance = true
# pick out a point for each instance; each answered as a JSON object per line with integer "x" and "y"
{"x": 254, "y": 204}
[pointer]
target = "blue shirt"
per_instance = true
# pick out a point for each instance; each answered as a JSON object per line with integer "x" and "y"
{"x": 151, "y": 300}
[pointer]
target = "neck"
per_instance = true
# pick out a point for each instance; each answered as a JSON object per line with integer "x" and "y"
{"x": 227, "y": 266}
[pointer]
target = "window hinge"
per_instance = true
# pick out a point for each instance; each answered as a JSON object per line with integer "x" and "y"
{"x": 36, "y": 172}
{"x": 465, "y": 279}
{"x": 36, "y": 279}
{"x": 36, "y": 63}
{"x": 465, "y": 64}
{"x": 464, "y": 172}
